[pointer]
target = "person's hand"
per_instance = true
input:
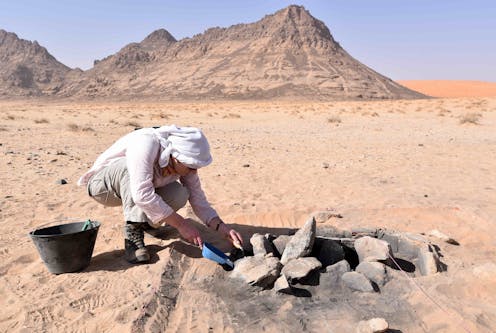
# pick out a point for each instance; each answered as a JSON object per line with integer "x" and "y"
{"x": 232, "y": 235}
{"x": 185, "y": 228}
{"x": 190, "y": 233}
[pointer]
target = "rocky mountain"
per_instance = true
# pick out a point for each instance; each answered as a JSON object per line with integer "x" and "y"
{"x": 287, "y": 54}
{"x": 27, "y": 69}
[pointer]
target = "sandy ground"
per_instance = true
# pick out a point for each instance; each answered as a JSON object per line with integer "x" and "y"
{"x": 403, "y": 165}
{"x": 452, "y": 88}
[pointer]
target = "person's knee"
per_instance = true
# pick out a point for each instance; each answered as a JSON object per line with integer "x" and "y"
{"x": 175, "y": 195}
{"x": 181, "y": 197}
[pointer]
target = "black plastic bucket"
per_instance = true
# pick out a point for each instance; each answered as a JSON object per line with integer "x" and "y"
{"x": 67, "y": 247}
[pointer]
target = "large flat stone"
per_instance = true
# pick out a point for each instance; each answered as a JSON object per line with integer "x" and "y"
{"x": 372, "y": 249}
{"x": 299, "y": 268}
{"x": 257, "y": 270}
{"x": 300, "y": 245}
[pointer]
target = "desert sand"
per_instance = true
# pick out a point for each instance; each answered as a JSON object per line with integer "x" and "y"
{"x": 402, "y": 165}
{"x": 452, "y": 88}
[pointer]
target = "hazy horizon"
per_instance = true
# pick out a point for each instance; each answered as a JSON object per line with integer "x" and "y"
{"x": 404, "y": 41}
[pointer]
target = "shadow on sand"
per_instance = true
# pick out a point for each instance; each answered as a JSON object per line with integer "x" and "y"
{"x": 115, "y": 261}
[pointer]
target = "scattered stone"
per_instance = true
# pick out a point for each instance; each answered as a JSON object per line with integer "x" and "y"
{"x": 259, "y": 271}
{"x": 246, "y": 165}
{"x": 282, "y": 285}
{"x": 427, "y": 262}
{"x": 325, "y": 165}
{"x": 372, "y": 249}
{"x": 328, "y": 251}
{"x": 260, "y": 244}
{"x": 280, "y": 243}
{"x": 299, "y": 268}
{"x": 324, "y": 216}
{"x": 357, "y": 281}
{"x": 375, "y": 325}
{"x": 61, "y": 182}
{"x": 374, "y": 271}
{"x": 438, "y": 234}
{"x": 300, "y": 245}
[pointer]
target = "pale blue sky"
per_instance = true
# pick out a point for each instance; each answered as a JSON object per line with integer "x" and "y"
{"x": 421, "y": 39}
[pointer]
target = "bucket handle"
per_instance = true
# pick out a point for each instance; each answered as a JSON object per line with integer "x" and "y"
{"x": 87, "y": 224}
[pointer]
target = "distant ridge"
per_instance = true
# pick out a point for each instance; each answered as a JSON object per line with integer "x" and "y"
{"x": 288, "y": 54}
{"x": 452, "y": 88}
{"x": 27, "y": 69}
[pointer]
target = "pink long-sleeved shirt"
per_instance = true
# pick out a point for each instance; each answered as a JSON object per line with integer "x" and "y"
{"x": 142, "y": 150}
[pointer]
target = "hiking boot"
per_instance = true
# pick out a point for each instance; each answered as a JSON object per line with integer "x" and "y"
{"x": 134, "y": 244}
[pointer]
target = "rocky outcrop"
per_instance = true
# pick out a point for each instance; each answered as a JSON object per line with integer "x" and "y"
{"x": 287, "y": 54}
{"x": 27, "y": 69}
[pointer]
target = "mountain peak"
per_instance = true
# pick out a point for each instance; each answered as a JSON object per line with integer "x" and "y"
{"x": 160, "y": 36}
{"x": 294, "y": 11}
{"x": 294, "y": 24}
{"x": 298, "y": 15}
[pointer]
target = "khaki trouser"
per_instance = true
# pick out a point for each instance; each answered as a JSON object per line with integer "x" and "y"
{"x": 110, "y": 187}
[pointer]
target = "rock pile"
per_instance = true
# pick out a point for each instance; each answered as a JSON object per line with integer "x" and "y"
{"x": 360, "y": 259}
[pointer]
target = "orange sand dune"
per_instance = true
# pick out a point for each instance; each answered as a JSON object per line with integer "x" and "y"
{"x": 451, "y": 88}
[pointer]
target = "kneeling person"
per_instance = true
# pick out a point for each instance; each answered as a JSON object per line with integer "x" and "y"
{"x": 152, "y": 173}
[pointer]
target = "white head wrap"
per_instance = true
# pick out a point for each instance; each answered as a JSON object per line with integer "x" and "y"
{"x": 187, "y": 144}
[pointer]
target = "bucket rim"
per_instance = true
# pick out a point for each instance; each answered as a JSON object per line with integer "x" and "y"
{"x": 94, "y": 226}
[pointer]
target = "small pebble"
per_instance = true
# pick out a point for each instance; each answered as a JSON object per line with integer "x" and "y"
{"x": 246, "y": 165}
{"x": 375, "y": 325}
{"x": 61, "y": 182}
